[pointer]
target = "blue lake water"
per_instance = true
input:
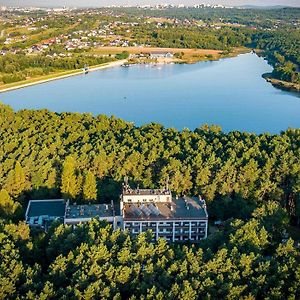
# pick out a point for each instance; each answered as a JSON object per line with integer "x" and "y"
{"x": 230, "y": 93}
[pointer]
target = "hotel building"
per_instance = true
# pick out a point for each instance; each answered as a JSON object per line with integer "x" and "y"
{"x": 172, "y": 218}
{"x": 176, "y": 219}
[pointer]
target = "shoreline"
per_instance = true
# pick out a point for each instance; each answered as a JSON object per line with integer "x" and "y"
{"x": 70, "y": 73}
{"x": 63, "y": 76}
{"x": 282, "y": 85}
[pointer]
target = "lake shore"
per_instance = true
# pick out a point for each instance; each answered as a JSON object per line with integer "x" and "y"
{"x": 57, "y": 76}
{"x": 176, "y": 96}
{"x": 280, "y": 84}
{"x": 189, "y": 56}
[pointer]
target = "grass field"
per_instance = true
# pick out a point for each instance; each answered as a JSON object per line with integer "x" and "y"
{"x": 188, "y": 55}
{"x": 136, "y": 50}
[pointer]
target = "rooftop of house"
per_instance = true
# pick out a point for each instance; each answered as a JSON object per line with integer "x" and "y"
{"x": 91, "y": 211}
{"x": 181, "y": 208}
{"x": 53, "y": 208}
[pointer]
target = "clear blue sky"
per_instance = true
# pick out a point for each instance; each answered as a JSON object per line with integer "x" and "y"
{"x": 134, "y": 2}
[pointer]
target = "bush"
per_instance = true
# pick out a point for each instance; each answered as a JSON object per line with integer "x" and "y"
{"x": 123, "y": 55}
{"x": 10, "y": 78}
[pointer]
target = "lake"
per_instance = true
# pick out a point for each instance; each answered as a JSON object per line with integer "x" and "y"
{"x": 229, "y": 92}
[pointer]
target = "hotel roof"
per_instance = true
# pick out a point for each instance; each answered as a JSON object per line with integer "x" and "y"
{"x": 181, "y": 208}
{"x": 53, "y": 208}
{"x": 129, "y": 191}
{"x": 91, "y": 211}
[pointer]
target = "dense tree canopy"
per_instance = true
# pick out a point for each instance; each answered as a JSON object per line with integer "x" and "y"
{"x": 249, "y": 181}
{"x": 16, "y": 67}
{"x": 282, "y": 49}
{"x": 44, "y": 153}
{"x": 93, "y": 262}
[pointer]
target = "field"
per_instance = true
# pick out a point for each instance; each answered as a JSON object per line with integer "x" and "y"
{"x": 185, "y": 55}
{"x": 136, "y": 50}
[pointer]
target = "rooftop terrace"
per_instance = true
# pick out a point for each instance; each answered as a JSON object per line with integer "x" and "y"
{"x": 181, "y": 208}
{"x": 53, "y": 208}
{"x": 129, "y": 191}
{"x": 90, "y": 211}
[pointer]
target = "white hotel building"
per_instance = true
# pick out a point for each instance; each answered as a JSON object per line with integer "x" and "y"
{"x": 174, "y": 219}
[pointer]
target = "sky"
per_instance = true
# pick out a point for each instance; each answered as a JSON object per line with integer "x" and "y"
{"x": 42, "y": 3}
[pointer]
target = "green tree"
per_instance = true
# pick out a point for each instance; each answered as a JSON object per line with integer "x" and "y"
{"x": 7, "y": 206}
{"x": 89, "y": 186}
{"x": 16, "y": 182}
{"x": 69, "y": 187}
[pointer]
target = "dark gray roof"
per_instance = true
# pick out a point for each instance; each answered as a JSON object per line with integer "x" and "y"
{"x": 178, "y": 209}
{"x": 91, "y": 211}
{"x": 146, "y": 192}
{"x": 54, "y": 208}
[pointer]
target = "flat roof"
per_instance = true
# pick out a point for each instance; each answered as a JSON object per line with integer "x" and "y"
{"x": 130, "y": 191}
{"x": 181, "y": 208}
{"x": 91, "y": 211}
{"x": 54, "y": 208}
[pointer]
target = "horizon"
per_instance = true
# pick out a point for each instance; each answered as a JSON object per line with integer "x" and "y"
{"x": 106, "y": 3}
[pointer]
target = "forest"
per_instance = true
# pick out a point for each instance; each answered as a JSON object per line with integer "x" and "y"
{"x": 251, "y": 182}
{"x": 282, "y": 50}
{"x": 19, "y": 67}
{"x": 250, "y": 17}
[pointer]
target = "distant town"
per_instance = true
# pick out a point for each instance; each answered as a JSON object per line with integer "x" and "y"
{"x": 106, "y": 33}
